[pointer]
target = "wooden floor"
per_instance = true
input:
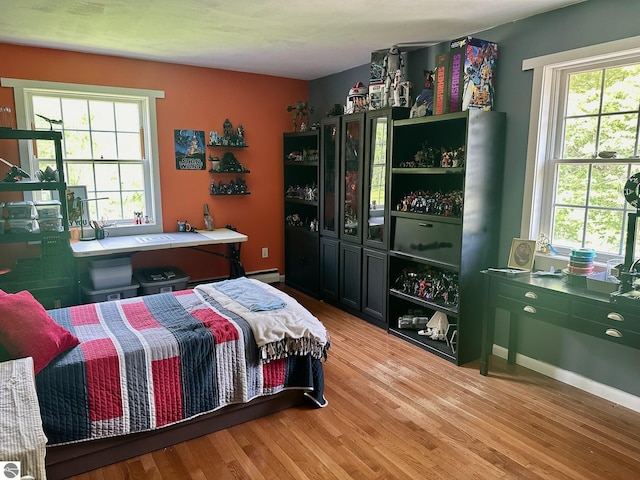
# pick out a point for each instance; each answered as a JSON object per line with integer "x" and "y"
{"x": 397, "y": 412}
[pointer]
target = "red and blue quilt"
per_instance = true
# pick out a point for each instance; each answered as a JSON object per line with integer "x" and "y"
{"x": 151, "y": 361}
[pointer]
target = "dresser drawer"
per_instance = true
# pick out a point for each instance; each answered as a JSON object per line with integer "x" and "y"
{"x": 533, "y": 296}
{"x": 432, "y": 240}
{"x": 518, "y": 307}
{"x": 605, "y": 331}
{"x": 610, "y": 315}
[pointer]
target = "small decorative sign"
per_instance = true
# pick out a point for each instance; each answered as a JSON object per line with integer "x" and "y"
{"x": 190, "y": 149}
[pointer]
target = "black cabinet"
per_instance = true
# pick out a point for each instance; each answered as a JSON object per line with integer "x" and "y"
{"x": 377, "y": 174}
{"x": 355, "y": 216}
{"x": 329, "y": 176}
{"x": 350, "y": 275}
{"x": 302, "y": 266}
{"x": 329, "y": 269}
{"x": 42, "y": 261}
{"x": 445, "y": 196}
{"x": 374, "y": 286}
{"x": 301, "y": 211}
{"x": 351, "y": 173}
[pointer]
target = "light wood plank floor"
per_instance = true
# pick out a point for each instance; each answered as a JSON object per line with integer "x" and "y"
{"x": 397, "y": 412}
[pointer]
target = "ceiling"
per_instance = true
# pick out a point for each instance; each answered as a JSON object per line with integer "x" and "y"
{"x": 287, "y": 38}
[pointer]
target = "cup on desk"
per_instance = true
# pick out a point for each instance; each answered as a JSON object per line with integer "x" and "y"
{"x": 100, "y": 233}
{"x": 75, "y": 234}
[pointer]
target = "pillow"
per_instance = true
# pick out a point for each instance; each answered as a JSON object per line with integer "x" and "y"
{"x": 26, "y": 330}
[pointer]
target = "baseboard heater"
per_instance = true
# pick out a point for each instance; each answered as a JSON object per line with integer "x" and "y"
{"x": 266, "y": 276}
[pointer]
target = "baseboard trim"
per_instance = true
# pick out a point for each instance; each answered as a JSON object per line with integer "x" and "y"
{"x": 574, "y": 379}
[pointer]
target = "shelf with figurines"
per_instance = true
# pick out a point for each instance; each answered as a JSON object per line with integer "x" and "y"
{"x": 228, "y": 164}
{"x": 295, "y": 221}
{"x": 229, "y": 138}
{"x": 307, "y": 194}
{"x": 233, "y": 187}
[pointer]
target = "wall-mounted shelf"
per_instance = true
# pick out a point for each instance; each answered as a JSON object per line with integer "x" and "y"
{"x": 226, "y": 145}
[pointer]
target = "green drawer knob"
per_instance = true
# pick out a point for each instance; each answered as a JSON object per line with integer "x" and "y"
{"x": 532, "y": 295}
{"x": 529, "y": 309}
{"x": 615, "y": 316}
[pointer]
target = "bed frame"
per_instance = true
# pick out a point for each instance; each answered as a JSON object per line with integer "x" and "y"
{"x": 66, "y": 460}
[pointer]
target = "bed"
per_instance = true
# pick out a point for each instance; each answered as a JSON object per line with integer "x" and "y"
{"x": 147, "y": 372}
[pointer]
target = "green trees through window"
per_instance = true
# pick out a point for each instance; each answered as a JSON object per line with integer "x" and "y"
{"x": 596, "y": 150}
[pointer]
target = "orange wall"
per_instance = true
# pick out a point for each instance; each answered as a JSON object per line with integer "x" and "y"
{"x": 197, "y": 99}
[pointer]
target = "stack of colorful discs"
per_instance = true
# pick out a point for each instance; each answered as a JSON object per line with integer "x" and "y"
{"x": 581, "y": 261}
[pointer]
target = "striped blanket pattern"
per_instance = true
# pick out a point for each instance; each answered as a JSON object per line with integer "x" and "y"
{"x": 151, "y": 361}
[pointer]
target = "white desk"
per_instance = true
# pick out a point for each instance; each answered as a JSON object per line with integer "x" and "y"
{"x": 161, "y": 241}
{"x": 155, "y": 241}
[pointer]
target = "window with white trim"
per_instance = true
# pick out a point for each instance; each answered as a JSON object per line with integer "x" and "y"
{"x": 584, "y": 145}
{"x": 109, "y": 146}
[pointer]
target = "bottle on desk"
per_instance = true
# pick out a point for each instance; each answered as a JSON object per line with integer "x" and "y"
{"x": 208, "y": 219}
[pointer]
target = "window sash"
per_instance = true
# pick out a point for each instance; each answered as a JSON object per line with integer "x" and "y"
{"x": 24, "y": 88}
{"x": 550, "y": 74}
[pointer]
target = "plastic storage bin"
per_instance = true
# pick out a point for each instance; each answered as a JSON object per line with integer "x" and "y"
{"x": 161, "y": 280}
{"x": 48, "y": 209}
{"x": 23, "y": 226}
{"x": 51, "y": 224}
{"x": 21, "y": 210}
{"x": 107, "y": 294}
{"x": 110, "y": 272}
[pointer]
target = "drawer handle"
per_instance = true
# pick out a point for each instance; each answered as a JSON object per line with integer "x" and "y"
{"x": 529, "y": 309}
{"x": 427, "y": 225}
{"x": 532, "y": 295}
{"x": 612, "y": 332}
{"x": 615, "y": 316}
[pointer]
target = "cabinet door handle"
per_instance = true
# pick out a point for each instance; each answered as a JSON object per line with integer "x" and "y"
{"x": 532, "y": 295}
{"x": 530, "y": 309}
{"x": 615, "y": 316}
{"x": 612, "y": 332}
{"x": 427, "y": 225}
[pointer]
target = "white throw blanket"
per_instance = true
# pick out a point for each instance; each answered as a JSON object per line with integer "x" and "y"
{"x": 22, "y": 438}
{"x": 291, "y": 330}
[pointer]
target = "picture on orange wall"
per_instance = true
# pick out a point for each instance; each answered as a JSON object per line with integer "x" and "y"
{"x": 190, "y": 149}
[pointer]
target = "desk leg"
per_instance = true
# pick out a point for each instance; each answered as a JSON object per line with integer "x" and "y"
{"x": 488, "y": 325}
{"x": 514, "y": 322}
{"x": 235, "y": 265}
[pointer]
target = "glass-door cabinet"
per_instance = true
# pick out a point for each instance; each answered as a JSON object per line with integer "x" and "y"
{"x": 379, "y": 131}
{"x": 329, "y": 179}
{"x": 352, "y": 164}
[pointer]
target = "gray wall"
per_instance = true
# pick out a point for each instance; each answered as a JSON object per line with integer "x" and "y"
{"x": 580, "y": 25}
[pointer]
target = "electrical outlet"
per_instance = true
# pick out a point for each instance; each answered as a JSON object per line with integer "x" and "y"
{"x": 265, "y": 252}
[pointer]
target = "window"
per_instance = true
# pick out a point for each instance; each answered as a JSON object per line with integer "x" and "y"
{"x": 109, "y": 145}
{"x": 585, "y": 127}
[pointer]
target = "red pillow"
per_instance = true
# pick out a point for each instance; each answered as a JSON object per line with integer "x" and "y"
{"x": 26, "y": 330}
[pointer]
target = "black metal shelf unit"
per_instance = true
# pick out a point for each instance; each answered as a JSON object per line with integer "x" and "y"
{"x": 49, "y": 276}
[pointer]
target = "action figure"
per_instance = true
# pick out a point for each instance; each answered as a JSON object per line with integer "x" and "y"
{"x": 392, "y": 62}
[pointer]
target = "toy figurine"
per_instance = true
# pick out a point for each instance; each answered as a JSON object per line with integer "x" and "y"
{"x": 227, "y": 128}
{"x": 357, "y": 99}
{"x": 424, "y": 102}
{"x": 15, "y": 173}
{"x": 302, "y": 110}
{"x": 392, "y": 62}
